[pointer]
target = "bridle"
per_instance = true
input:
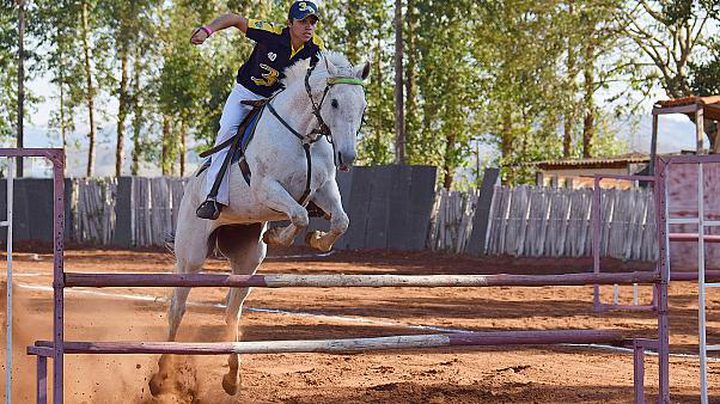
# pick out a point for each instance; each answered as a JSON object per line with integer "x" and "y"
{"x": 321, "y": 129}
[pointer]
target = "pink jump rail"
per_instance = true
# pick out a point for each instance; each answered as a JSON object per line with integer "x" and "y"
{"x": 58, "y": 347}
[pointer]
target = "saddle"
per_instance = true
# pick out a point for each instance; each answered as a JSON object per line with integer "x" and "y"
{"x": 238, "y": 144}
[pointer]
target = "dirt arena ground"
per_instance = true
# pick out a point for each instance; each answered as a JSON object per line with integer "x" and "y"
{"x": 499, "y": 375}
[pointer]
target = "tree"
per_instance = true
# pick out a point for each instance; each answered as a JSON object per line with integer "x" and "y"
{"x": 706, "y": 75}
{"x": 8, "y": 69}
{"x": 399, "y": 99}
{"x": 376, "y": 31}
{"x": 448, "y": 85}
{"x": 21, "y": 82}
{"x": 86, "y": 19}
{"x": 411, "y": 53}
{"x": 125, "y": 23}
{"x": 519, "y": 47}
{"x": 191, "y": 79}
{"x": 600, "y": 38}
{"x": 667, "y": 33}
{"x": 56, "y": 30}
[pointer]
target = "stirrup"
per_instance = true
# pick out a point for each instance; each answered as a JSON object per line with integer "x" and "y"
{"x": 210, "y": 209}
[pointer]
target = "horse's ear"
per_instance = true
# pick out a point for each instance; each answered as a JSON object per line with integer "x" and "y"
{"x": 362, "y": 72}
{"x": 331, "y": 68}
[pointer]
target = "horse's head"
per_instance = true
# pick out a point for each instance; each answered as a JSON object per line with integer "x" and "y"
{"x": 337, "y": 97}
{"x": 342, "y": 108}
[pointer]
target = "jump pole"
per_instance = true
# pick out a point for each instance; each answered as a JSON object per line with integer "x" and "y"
{"x": 333, "y": 281}
{"x": 348, "y": 345}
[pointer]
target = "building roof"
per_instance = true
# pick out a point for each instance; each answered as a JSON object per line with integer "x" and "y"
{"x": 613, "y": 162}
{"x": 710, "y": 105}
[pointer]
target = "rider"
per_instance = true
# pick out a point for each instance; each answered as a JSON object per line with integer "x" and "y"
{"x": 276, "y": 48}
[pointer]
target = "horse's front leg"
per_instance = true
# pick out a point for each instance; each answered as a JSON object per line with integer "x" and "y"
{"x": 273, "y": 195}
{"x": 327, "y": 198}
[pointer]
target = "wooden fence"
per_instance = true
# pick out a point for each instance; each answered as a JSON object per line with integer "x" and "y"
{"x": 389, "y": 207}
{"x": 451, "y": 223}
{"x": 519, "y": 221}
{"x": 532, "y": 221}
{"x": 154, "y": 204}
{"x": 92, "y": 208}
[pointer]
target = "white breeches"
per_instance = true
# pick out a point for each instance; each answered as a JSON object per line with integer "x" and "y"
{"x": 233, "y": 114}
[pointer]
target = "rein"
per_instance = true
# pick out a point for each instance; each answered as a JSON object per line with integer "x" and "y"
{"x": 321, "y": 130}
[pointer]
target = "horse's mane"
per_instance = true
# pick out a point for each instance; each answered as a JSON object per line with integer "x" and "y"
{"x": 296, "y": 72}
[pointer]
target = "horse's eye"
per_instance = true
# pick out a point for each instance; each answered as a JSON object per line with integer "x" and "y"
{"x": 334, "y": 103}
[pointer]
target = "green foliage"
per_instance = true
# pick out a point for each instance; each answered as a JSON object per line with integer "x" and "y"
{"x": 706, "y": 75}
{"x": 667, "y": 37}
{"x": 8, "y": 70}
{"x": 520, "y": 76}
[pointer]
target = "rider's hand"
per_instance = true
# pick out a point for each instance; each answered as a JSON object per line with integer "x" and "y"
{"x": 198, "y": 36}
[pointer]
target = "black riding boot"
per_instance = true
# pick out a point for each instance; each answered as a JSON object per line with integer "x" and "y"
{"x": 210, "y": 209}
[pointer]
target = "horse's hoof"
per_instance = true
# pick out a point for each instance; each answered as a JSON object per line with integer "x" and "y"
{"x": 158, "y": 379}
{"x": 230, "y": 385}
{"x": 269, "y": 236}
{"x": 311, "y": 235}
{"x": 314, "y": 240}
{"x": 156, "y": 383}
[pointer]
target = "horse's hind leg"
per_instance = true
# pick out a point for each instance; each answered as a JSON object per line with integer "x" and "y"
{"x": 241, "y": 244}
{"x": 190, "y": 256}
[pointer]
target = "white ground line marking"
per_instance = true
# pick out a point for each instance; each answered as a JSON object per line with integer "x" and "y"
{"x": 386, "y": 322}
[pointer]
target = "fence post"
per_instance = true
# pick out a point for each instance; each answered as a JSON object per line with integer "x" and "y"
{"x": 123, "y": 235}
{"x": 481, "y": 220}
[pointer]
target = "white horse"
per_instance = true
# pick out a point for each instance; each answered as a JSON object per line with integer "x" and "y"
{"x": 328, "y": 96}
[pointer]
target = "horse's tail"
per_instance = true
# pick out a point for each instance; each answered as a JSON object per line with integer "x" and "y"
{"x": 212, "y": 246}
{"x": 169, "y": 241}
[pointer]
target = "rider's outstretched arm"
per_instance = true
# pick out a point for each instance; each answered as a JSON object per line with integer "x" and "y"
{"x": 220, "y": 23}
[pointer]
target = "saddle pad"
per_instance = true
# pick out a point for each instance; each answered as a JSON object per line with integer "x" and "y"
{"x": 247, "y": 136}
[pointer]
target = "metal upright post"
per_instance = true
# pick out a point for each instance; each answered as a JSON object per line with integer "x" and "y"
{"x": 661, "y": 288}
{"x": 9, "y": 289}
{"x": 700, "y": 131}
{"x": 58, "y": 160}
{"x": 41, "y": 383}
{"x": 702, "y": 331}
{"x": 653, "y": 142}
{"x": 639, "y": 371}
{"x": 596, "y": 233}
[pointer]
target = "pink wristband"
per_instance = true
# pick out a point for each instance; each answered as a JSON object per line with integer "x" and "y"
{"x": 207, "y": 30}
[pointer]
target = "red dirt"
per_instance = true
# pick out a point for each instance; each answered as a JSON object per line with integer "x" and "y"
{"x": 498, "y": 375}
